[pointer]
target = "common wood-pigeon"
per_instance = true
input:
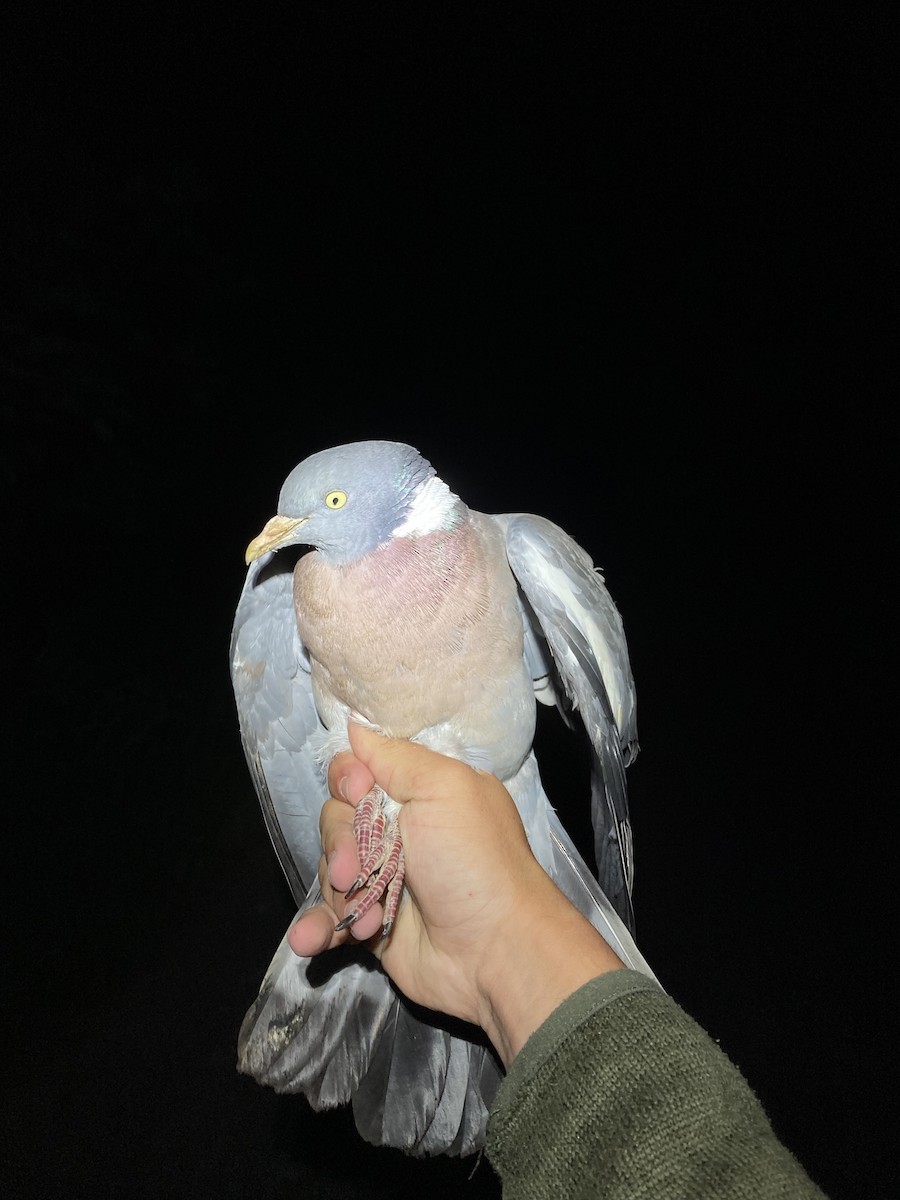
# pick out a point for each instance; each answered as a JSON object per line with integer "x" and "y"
{"x": 444, "y": 625}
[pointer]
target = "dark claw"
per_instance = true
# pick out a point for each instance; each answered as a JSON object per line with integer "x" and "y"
{"x": 347, "y": 922}
{"x": 354, "y": 887}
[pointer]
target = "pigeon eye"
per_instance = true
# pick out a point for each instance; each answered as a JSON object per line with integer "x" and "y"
{"x": 336, "y": 499}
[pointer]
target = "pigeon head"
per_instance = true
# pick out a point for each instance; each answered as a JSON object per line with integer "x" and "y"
{"x": 350, "y": 499}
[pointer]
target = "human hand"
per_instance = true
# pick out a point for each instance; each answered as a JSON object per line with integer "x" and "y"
{"x": 484, "y": 935}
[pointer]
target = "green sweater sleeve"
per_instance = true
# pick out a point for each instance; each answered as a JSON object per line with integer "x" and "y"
{"x": 621, "y": 1095}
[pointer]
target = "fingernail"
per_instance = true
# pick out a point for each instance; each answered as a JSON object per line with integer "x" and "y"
{"x": 343, "y": 789}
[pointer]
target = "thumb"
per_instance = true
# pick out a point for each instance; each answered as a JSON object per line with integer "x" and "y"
{"x": 404, "y": 769}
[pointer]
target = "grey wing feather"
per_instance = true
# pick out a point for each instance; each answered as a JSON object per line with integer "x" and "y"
{"x": 277, "y": 717}
{"x": 566, "y": 605}
{"x": 558, "y": 855}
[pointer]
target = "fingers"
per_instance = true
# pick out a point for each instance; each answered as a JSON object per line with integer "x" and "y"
{"x": 339, "y": 844}
{"x": 314, "y": 932}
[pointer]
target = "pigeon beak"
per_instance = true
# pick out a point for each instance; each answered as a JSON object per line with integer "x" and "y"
{"x": 277, "y": 532}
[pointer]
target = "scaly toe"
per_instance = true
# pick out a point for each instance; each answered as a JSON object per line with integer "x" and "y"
{"x": 381, "y": 869}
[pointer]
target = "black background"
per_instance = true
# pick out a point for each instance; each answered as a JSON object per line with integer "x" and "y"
{"x": 633, "y": 271}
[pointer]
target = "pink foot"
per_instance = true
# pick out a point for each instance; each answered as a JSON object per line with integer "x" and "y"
{"x": 382, "y": 868}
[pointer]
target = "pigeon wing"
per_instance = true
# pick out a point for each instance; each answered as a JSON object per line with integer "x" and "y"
{"x": 567, "y": 608}
{"x": 277, "y": 717}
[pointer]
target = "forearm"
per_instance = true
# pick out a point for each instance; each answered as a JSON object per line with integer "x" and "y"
{"x": 621, "y": 1094}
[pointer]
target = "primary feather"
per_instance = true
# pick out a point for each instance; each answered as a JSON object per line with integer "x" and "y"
{"x": 444, "y": 625}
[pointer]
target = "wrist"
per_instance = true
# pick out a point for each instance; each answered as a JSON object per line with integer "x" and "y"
{"x": 548, "y": 952}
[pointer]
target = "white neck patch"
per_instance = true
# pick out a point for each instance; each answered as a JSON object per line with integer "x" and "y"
{"x": 430, "y": 505}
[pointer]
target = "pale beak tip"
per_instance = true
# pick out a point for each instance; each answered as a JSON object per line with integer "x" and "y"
{"x": 278, "y": 532}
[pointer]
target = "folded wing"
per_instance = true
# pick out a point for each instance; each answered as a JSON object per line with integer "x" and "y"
{"x": 575, "y": 638}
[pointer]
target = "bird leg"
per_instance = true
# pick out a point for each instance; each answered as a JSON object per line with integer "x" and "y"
{"x": 382, "y": 867}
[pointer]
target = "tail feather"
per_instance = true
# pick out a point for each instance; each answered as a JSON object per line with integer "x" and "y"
{"x": 483, "y": 1076}
{"x": 334, "y": 1029}
{"x": 313, "y": 1035}
{"x": 396, "y": 1101}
